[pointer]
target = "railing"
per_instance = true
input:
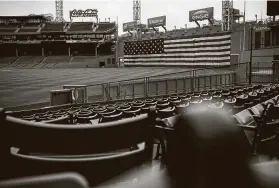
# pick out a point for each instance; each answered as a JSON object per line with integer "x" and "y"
{"x": 165, "y": 84}
{"x": 184, "y": 81}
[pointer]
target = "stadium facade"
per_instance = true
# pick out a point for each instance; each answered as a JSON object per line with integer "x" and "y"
{"x": 36, "y": 42}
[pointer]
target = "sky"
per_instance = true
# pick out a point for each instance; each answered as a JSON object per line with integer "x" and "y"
{"x": 176, "y": 11}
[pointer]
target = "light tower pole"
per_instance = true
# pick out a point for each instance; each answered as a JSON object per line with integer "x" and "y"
{"x": 59, "y": 11}
{"x": 137, "y": 18}
{"x": 227, "y": 15}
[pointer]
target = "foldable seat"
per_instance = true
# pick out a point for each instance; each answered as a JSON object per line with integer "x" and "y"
{"x": 86, "y": 119}
{"x": 239, "y": 104}
{"x": 131, "y": 113}
{"x": 122, "y": 108}
{"x": 60, "y": 120}
{"x": 111, "y": 107}
{"x": 229, "y": 104}
{"x": 98, "y": 152}
{"x": 207, "y": 99}
{"x": 182, "y": 96}
{"x": 195, "y": 97}
{"x": 175, "y": 102}
{"x": 261, "y": 136}
{"x": 161, "y": 104}
{"x": 217, "y": 105}
{"x": 216, "y": 98}
{"x": 108, "y": 113}
{"x": 225, "y": 95}
{"x": 173, "y": 98}
{"x": 166, "y": 112}
{"x": 99, "y": 110}
{"x": 110, "y": 118}
{"x": 233, "y": 93}
{"x": 195, "y": 104}
{"x": 182, "y": 108}
{"x": 138, "y": 104}
{"x": 204, "y": 94}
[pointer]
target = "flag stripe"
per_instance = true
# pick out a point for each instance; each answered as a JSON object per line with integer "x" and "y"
{"x": 179, "y": 64}
{"x": 203, "y": 44}
{"x": 181, "y": 59}
{"x": 181, "y": 54}
{"x": 199, "y": 39}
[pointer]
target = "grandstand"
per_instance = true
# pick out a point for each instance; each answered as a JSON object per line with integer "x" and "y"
{"x": 150, "y": 123}
{"x": 42, "y": 38}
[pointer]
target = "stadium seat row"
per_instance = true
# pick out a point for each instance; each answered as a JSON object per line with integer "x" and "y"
{"x": 232, "y": 100}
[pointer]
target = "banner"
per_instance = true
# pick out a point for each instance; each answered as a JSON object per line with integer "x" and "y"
{"x": 156, "y": 21}
{"x": 128, "y": 26}
{"x": 201, "y": 14}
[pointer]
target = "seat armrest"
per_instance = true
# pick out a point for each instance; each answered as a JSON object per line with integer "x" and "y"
{"x": 274, "y": 123}
{"x": 247, "y": 127}
{"x": 164, "y": 128}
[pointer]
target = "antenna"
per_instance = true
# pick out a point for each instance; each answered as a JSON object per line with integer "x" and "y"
{"x": 59, "y": 11}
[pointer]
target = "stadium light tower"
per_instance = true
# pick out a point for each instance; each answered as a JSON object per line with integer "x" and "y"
{"x": 227, "y": 15}
{"x": 137, "y": 17}
{"x": 59, "y": 11}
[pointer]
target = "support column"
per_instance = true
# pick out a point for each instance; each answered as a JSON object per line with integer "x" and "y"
{"x": 16, "y": 52}
{"x": 43, "y": 51}
{"x": 69, "y": 50}
{"x": 96, "y": 51}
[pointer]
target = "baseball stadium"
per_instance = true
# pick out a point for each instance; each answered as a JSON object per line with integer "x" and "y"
{"x": 92, "y": 102}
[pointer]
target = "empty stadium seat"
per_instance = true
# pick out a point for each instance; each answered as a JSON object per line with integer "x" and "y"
{"x": 97, "y": 152}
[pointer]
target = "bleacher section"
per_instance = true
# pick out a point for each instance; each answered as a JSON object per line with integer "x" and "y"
{"x": 53, "y": 27}
{"x": 233, "y": 100}
{"x": 81, "y": 26}
{"x": 26, "y": 62}
{"x": 7, "y": 30}
{"x": 26, "y": 30}
{"x": 5, "y": 61}
{"x": 105, "y": 27}
{"x": 146, "y": 120}
{"x": 54, "y": 61}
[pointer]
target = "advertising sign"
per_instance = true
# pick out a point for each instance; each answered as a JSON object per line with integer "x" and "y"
{"x": 128, "y": 26}
{"x": 156, "y": 21}
{"x": 201, "y": 14}
{"x": 84, "y": 13}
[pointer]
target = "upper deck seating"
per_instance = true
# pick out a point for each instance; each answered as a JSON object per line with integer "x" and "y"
{"x": 53, "y": 27}
{"x": 29, "y": 29}
{"x": 103, "y": 27}
{"x": 81, "y": 26}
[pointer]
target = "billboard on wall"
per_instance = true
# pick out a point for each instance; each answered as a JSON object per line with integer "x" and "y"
{"x": 128, "y": 26}
{"x": 201, "y": 14}
{"x": 83, "y": 13}
{"x": 156, "y": 21}
{"x": 272, "y": 8}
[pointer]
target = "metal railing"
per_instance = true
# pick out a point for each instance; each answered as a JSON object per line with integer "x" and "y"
{"x": 185, "y": 81}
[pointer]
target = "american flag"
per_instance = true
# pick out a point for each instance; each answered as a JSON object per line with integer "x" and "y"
{"x": 210, "y": 49}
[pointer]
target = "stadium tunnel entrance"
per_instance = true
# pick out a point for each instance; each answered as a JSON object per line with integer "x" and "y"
{"x": 102, "y": 64}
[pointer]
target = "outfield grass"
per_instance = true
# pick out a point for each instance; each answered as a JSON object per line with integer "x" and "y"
{"x": 20, "y": 87}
